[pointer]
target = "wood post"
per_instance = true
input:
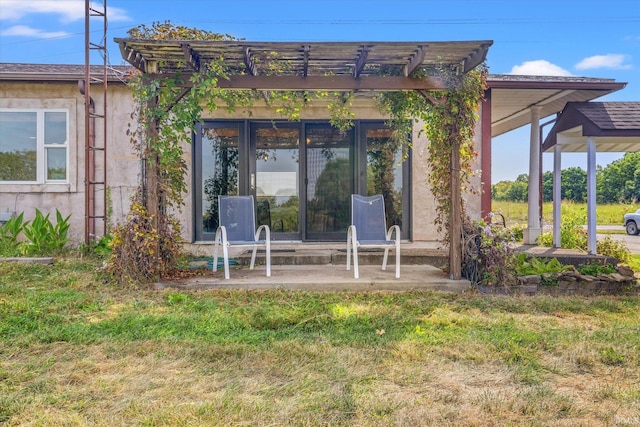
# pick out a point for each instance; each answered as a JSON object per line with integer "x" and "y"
{"x": 455, "y": 224}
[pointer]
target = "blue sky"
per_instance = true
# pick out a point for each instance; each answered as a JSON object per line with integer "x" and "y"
{"x": 541, "y": 37}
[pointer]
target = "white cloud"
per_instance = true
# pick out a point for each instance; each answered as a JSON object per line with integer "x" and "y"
{"x": 69, "y": 10}
{"x": 24, "y": 31}
{"x": 614, "y": 61}
{"x": 538, "y": 67}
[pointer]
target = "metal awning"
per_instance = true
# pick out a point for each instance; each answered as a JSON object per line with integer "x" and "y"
{"x": 613, "y": 126}
{"x": 307, "y": 66}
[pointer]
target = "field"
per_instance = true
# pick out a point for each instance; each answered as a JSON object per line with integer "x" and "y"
{"x": 76, "y": 350}
{"x": 610, "y": 214}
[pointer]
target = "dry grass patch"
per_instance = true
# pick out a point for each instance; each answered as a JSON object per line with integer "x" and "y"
{"x": 82, "y": 352}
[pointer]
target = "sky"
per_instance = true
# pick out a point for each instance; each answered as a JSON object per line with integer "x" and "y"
{"x": 587, "y": 38}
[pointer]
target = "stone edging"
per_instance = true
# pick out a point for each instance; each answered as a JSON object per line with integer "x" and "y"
{"x": 28, "y": 260}
{"x": 571, "y": 283}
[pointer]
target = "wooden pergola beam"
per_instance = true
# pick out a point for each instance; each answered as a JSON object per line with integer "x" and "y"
{"x": 416, "y": 59}
{"x": 249, "y": 62}
{"x": 305, "y": 59}
{"x": 289, "y": 82}
{"x": 192, "y": 58}
{"x": 361, "y": 61}
{"x": 132, "y": 57}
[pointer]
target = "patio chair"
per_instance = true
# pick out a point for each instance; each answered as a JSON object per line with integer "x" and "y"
{"x": 237, "y": 227}
{"x": 368, "y": 229}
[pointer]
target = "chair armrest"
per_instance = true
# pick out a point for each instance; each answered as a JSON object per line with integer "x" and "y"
{"x": 267, "y": 233}
{"x": 390, "y": 232}
{"x": 352, "y": 233}
{"x": 221, "y": 233}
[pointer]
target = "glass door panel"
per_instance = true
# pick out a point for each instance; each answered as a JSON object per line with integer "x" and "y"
{"x": 219, "y": 165}
{"x": 330, "y": 182}
{"x": 277, "y": 180}
{"x": 384, "y": 172}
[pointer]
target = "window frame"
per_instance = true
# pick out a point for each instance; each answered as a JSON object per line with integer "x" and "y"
{"x": 42, "y": 147}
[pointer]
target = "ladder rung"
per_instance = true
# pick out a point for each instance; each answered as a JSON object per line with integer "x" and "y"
{"x": 96, "y": 182}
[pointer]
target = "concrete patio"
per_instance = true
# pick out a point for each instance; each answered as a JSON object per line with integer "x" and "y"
{"x": 322, "y": 267}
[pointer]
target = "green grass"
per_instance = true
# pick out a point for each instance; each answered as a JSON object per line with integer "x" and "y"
{"x": 609, "y": 214}
{"x": 76, "y": 350}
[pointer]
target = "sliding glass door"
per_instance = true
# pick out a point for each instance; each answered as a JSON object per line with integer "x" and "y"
{"x": 329, "y": 182}
{"x": 276, "y": 178}
{"x": 302, "y": 175}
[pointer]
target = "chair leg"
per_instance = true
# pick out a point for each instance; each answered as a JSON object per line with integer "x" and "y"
{"x": 268, "y": 256}
{"x": 356, "y": 272}
{"x": 385, "y": 258}
{"x": 253, "y": 257}
{"x": 349, "y": 250}
{"x": 215, "y": 257}
{"x": 225, "y": 252}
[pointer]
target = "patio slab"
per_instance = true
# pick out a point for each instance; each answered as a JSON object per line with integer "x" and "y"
{"x": 324, "y": 278}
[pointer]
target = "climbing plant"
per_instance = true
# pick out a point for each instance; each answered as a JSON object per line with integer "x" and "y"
{"x": 449, "y": 119}
{"x": 165, "y": 113}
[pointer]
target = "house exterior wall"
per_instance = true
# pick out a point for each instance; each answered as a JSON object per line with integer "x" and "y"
{"x": 123, "y": 166}
{"x": 69, "y": 197}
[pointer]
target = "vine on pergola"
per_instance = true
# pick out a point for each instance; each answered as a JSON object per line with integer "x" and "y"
{"x": 147, "y": 245}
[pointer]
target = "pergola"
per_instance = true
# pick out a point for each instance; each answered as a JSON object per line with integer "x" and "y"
{"x": 338, "y": 66}
{"x": 376, "y": 66}
{"x": 590, "y": 127}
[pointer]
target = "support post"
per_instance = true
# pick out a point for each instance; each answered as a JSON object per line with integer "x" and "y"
{"x": 533, "y": 230}
{"x": 455, "y": 229}
{"x": 557, "y": 195}
{"x": 591, "y": 196}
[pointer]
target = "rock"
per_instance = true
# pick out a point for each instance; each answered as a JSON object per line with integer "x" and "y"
{"x": 625, "y": 270}
{"x": 531, "y": 279}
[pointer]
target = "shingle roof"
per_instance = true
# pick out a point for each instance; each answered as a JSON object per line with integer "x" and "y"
{"x": 613, "y": 126}
{"x": 58, "y": 72}
{"x": 611, "y": 115}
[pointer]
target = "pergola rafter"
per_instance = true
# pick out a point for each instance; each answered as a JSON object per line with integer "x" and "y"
{"x": 377, "y": 66}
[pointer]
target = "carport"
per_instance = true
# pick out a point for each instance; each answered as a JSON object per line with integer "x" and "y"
{"x": 590, "y": 127}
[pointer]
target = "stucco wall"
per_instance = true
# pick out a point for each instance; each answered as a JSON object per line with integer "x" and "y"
{"x": 423, "y": 203}
{"x": 69, "y": 198}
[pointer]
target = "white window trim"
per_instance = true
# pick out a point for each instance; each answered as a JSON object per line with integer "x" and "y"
{"x": 41, "y": 147}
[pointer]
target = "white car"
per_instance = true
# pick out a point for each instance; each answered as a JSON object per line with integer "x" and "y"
{"x": 632, "y": 223}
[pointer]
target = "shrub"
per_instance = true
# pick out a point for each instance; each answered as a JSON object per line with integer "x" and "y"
{"x": 9, "y": 232}
{"x": 574, "y": 236}
{"x": 42, "y": 237}
{"x": 526, "y": 265}
{"x": 45, "y": 238}
{"x": 612, "y": 248}
{"x": 488, "y": 255}
{"x": 134, "y": 246}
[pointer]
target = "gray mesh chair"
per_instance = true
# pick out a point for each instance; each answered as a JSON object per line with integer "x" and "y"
{"x": 368, "y": 229}
{"x": 238, "y": 228}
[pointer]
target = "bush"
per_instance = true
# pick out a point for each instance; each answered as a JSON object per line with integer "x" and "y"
{"x": 134, "y": 246}
{"x": 488, "y": 255}
{"x": 45, "y": 238}
{"x": 41, "y": 236}
{"x": 574, "y": 236}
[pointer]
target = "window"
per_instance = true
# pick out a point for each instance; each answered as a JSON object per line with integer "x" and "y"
{"x": 34, "y": 146}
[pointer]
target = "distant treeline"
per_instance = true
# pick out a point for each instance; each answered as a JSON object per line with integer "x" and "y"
{"x": 618, "y": 182}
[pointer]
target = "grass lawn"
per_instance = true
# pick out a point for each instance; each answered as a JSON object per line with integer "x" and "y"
{"x": 609, "y": 214}
{"x": 76, "y": 351}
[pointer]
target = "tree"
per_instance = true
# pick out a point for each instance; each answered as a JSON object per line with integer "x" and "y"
{"x": 574, "y": 184}
{"x": 619, "y": 182}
